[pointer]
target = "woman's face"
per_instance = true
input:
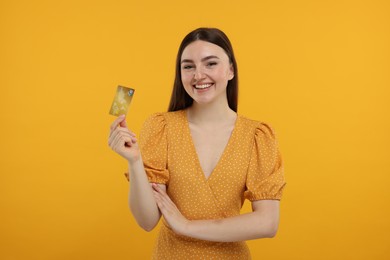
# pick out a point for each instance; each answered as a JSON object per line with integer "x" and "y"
{"x": 205, "y": 71}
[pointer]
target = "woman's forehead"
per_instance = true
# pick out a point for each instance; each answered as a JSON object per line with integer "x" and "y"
{"x": 201, "y": 49}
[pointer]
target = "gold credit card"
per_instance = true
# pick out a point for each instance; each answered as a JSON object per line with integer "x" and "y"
{"x": 121, "y": 101}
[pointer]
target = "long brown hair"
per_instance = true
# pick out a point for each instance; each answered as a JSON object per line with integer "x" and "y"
{"x": 179, "y": 98}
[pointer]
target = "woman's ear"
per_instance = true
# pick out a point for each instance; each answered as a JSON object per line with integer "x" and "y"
{"x": 231, "y": 72}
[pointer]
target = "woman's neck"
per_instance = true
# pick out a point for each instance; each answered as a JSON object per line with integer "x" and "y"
{"x": 211, "y": 113}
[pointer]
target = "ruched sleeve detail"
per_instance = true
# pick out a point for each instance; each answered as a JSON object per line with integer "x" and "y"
{"x": 265, "y": 177}
{"x": 154, "y": 148}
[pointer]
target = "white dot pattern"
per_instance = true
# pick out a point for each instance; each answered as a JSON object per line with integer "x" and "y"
{"x": 249, "y": 168}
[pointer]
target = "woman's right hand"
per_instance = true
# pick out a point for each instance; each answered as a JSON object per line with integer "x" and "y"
{"x": 123, "y": 141}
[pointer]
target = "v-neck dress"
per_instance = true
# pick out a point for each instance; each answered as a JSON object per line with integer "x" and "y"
{"x": 250, "y": 167}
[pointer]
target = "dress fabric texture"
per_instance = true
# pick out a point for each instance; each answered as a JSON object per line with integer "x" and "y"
{"x": 250, "y": 168}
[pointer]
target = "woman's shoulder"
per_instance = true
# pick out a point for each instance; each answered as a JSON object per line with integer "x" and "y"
{"x": 256, "y": 126}
{"x": 163, "y": 118}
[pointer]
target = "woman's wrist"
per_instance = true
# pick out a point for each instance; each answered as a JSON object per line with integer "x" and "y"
{"x": 135, "y": 163}
{"x": 184, "y": 228}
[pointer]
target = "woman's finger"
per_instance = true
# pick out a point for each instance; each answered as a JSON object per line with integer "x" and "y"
{"x": 116, "y": 123}
{"x": 159, "y": 202}
{"x": 118, "y": 133}
{"x": 162, "y": 193}
{"x": 131, "y": 133}
{"x": 120, "y": 137}
{"x": 156, "y": 187}
{"x": 156, "y": 196}
{"x": 123, "y": 123}
{"x": 120, "y": 142}
{"x": 164, "y": 199}
{"x": 121, "y": 131}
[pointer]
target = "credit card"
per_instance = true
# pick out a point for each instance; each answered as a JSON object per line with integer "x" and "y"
{"x": 122, "y": 101}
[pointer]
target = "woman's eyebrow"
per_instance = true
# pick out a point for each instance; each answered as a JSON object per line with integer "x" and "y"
{"x": 203, "y": 59}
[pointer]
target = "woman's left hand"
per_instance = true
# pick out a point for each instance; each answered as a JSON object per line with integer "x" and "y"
{"x": 168, "y": 209}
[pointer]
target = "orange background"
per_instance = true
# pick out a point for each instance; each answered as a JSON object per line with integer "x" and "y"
{"x": 317, "y": 71}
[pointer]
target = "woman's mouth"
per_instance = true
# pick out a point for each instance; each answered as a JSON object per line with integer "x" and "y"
{"x": 203, "y": 86}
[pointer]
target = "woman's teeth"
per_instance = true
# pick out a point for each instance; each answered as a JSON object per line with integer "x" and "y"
{"x": 203, "y": 86}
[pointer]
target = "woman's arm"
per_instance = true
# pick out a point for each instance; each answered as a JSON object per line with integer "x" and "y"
{"x": 261, "y": 223}
{"x": 142, "y": 203}
{"x": 141, "y": 200}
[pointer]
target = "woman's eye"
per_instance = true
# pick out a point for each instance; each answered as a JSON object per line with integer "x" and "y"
{"x": 210, "y": 64}
{"x": 187, "y": 67}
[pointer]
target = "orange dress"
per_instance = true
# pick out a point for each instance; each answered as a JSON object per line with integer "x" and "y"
{"x": 249, "y": 168}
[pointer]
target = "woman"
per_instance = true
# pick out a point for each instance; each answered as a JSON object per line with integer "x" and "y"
{"x": 197, "y": 163}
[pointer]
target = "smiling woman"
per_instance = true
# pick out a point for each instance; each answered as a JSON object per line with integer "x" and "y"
{"x": 195, "y": 164}
{"x": 206, "y": 71}
{"x": 216, "y": 40}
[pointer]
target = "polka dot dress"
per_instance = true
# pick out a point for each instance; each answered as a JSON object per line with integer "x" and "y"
{"x": 249, "y": 168}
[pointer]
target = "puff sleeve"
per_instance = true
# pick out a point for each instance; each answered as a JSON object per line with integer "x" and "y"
{"x": 265, "y": 176}
{"x": 154, "y": 148}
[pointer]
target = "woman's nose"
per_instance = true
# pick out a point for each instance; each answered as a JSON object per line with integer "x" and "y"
{"x": 198, "y": 74}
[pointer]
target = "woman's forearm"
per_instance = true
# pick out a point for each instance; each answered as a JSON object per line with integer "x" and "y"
{"x": 142, "y": 203}
{"x": 261, "y": 223}
{"x": 248, "y": 226}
